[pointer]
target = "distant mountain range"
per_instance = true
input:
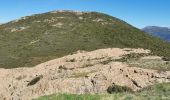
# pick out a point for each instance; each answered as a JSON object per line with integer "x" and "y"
{"x": 161, "y": 32}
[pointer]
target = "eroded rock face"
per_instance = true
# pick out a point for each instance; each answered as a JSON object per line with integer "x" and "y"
{"x": 83, "y": 72}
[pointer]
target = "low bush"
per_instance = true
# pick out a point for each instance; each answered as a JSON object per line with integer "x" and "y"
{"x": 35, "y": 80}
{"x": 166, "y": 58}
{"x": 118, "y": 89}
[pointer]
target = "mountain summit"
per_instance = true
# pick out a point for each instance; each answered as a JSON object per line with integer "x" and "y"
{"x": 34, "y": 39}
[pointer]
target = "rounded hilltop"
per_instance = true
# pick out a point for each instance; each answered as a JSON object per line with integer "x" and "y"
{"x": 34, "y": 39}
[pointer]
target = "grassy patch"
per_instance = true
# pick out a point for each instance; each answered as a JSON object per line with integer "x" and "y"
{"x": 131, "y": 56}
{"x": 156, "y": 64}
{"x": 155, "y": 92}
{"x": 107, "y": 61}
{"x": 71, "y": 97}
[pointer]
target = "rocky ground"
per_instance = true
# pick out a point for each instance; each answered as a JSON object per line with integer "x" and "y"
{"x": 82, "y": 72}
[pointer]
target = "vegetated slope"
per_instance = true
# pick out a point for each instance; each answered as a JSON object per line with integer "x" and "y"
{"x": 161, "y": 32}
{"x": 38, "y": 38}
{"x": 155, "y": 92}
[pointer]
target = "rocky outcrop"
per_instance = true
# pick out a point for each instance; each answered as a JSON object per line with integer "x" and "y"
{"x": 83, "y": 72}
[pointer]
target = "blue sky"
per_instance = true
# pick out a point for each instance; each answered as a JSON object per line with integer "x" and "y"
{"x": 139, "y": 13}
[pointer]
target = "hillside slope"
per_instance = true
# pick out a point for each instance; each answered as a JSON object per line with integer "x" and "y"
{"x": 34, "y": 39}
{"x": 161, "y": 32}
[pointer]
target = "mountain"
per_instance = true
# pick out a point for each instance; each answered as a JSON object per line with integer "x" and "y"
{"x": 41, "y": 37}
{"x": 161, "y": 32}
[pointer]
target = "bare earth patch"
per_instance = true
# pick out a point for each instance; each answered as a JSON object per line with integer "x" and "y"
{"x": 83, "y": 72}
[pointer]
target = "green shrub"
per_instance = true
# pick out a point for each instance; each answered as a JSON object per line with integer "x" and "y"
{"x": 166, "y": 58}
{"x": 35, "y": 80}
{"x": 118, "y": 89}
